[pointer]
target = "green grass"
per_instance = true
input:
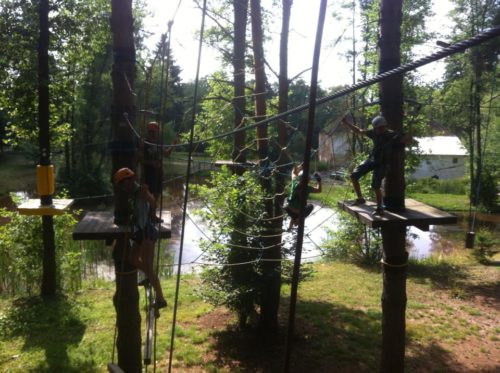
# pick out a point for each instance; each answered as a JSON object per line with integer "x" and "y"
{"x": 338, "y": 324}
{"x": 333, "y": 192}
{"x": 447, "y": 202}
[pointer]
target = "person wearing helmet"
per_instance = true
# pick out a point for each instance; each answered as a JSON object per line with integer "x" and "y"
{"x": 293, "y": 202}
{"x": 152, "y": 162}
{"x": 144, "y": 233}
{"x": 378, "y": 159}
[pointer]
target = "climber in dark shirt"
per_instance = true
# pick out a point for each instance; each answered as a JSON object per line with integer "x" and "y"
{"x": 378, "y": 160}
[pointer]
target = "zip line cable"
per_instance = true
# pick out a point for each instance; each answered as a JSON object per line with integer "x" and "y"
{"x": 186, "y": 192}
{"x": 445, "y": 52}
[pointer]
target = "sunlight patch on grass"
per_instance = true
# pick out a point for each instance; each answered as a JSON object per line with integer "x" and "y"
{"x": 447, "y": 202}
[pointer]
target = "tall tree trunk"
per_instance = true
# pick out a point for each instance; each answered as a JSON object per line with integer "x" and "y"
{"x": 48, "y": 288}
{"x": 394, "y": 240}
{"x": 240, "y": 25}
{"x": 126, "y": 298}
{"x": 239, "y": 104}
{"x": 283, "y": 157}
{"x": 477, "y": 93}
{"x": 272, "y": 277}
{"x": 472, "y": 146}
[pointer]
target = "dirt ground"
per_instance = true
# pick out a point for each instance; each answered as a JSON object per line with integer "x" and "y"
{"x": 476, "y": 308}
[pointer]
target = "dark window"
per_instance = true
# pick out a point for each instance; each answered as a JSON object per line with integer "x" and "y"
{"x": 455, "y": 160}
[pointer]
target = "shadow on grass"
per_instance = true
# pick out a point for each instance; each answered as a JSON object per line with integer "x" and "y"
{"x": 328, "y": 338}
{"x": 440, "y": 274}
{"x": 51, "y": 325}
{"x": 431, "y": 358}
{"x": 490, "y": 293}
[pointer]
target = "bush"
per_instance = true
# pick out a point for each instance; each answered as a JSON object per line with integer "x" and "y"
{"x": 431, "y": 186}
{"x": 352, "y": 244}
{"x": 486, "y": 243}
{"x": 21, "y": 253}
{"x": 234, "y": 206}
{"x": 488, "y": 192}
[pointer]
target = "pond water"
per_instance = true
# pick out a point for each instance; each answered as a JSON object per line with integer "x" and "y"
{"x": 442, "y": 239}
{"x": 438, "y": 240}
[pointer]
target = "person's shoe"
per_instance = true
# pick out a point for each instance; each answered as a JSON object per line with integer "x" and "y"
{"x": 155, "y": 220}
{"x": 162, "y": 303}
{"x": 359, "y": 201}
{"x": 379, "y": 211}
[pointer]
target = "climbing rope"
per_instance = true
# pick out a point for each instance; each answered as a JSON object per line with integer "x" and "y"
{"x": 186, "y": 191}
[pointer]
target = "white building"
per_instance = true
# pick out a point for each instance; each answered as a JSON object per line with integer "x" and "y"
{"x": 334, "y": 146}
{"x": 442, "y": 157}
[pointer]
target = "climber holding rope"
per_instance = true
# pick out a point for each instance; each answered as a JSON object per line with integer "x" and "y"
{"x": 384, "y": 140}
{"x": 144, "y": 233}
{"x": 151, "y": 159}
{"x": 293, "y": 206}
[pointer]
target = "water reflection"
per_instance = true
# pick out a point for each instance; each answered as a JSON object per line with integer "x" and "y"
{"x": 438, "y": 240}
{"x": 421, "y": 245}
{"x": 196, "y": 230}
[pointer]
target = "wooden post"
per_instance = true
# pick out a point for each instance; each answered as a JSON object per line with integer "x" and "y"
{"x": 239, "y": 47}
{"x": 49, "y": 251}
{"x": 395, "y": 256}
{"x": 123, "y": 149}
{"x": 271, "y": 269}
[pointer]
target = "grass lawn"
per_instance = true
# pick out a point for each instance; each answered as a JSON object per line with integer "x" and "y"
{"x": 447, "y": 202}
{"x": 452, "y": 325}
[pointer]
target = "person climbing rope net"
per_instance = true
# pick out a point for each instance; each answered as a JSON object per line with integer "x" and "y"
{"x": 144, "y": 233}
{"x": 293, "y": 202}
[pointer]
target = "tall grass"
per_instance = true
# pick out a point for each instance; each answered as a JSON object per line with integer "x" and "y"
{"x": 429, "y": 185}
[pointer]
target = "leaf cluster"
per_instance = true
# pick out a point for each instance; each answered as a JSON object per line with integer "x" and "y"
{"x": 21, "y": 253}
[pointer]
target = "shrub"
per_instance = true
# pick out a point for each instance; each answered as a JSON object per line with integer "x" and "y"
{"x": 21, "y": 253}
{"x": 352, "y": 243}
{"x": 234, "y": 206}
{"x": 236, "y": 219}
{"x": 430, "y": 185}
{"x": 485, "y": 245}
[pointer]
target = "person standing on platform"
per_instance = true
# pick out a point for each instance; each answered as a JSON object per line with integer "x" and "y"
{"x": 384, "y": 140}
{"x": 151, "y": 159}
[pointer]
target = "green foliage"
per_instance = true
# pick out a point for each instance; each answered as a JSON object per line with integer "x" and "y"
{"x": 21, "y": 253}
{"x": 352, "y": 242}
{"x": 216, "y": 117}
{"x": 234, "y": 206}
{"x": 431, "y": 186}
{"x": 486, "y": 245}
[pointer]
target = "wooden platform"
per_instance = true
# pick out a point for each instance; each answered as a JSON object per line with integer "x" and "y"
{"x": 416, "y": 214}
{"x": 98, "y": 225}
{"x": 234, "y": 164}
{"x": 33, "y": 207}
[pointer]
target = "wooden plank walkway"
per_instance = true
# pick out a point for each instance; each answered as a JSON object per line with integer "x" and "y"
{"x": 416, "y": 214}
{"x": 98, "y": 225}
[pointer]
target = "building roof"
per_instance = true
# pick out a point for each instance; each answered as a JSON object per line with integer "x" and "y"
{"x": 441, "y": 145}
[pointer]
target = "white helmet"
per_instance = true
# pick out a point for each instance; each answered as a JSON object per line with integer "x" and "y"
{"x": 379, "y": 121}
